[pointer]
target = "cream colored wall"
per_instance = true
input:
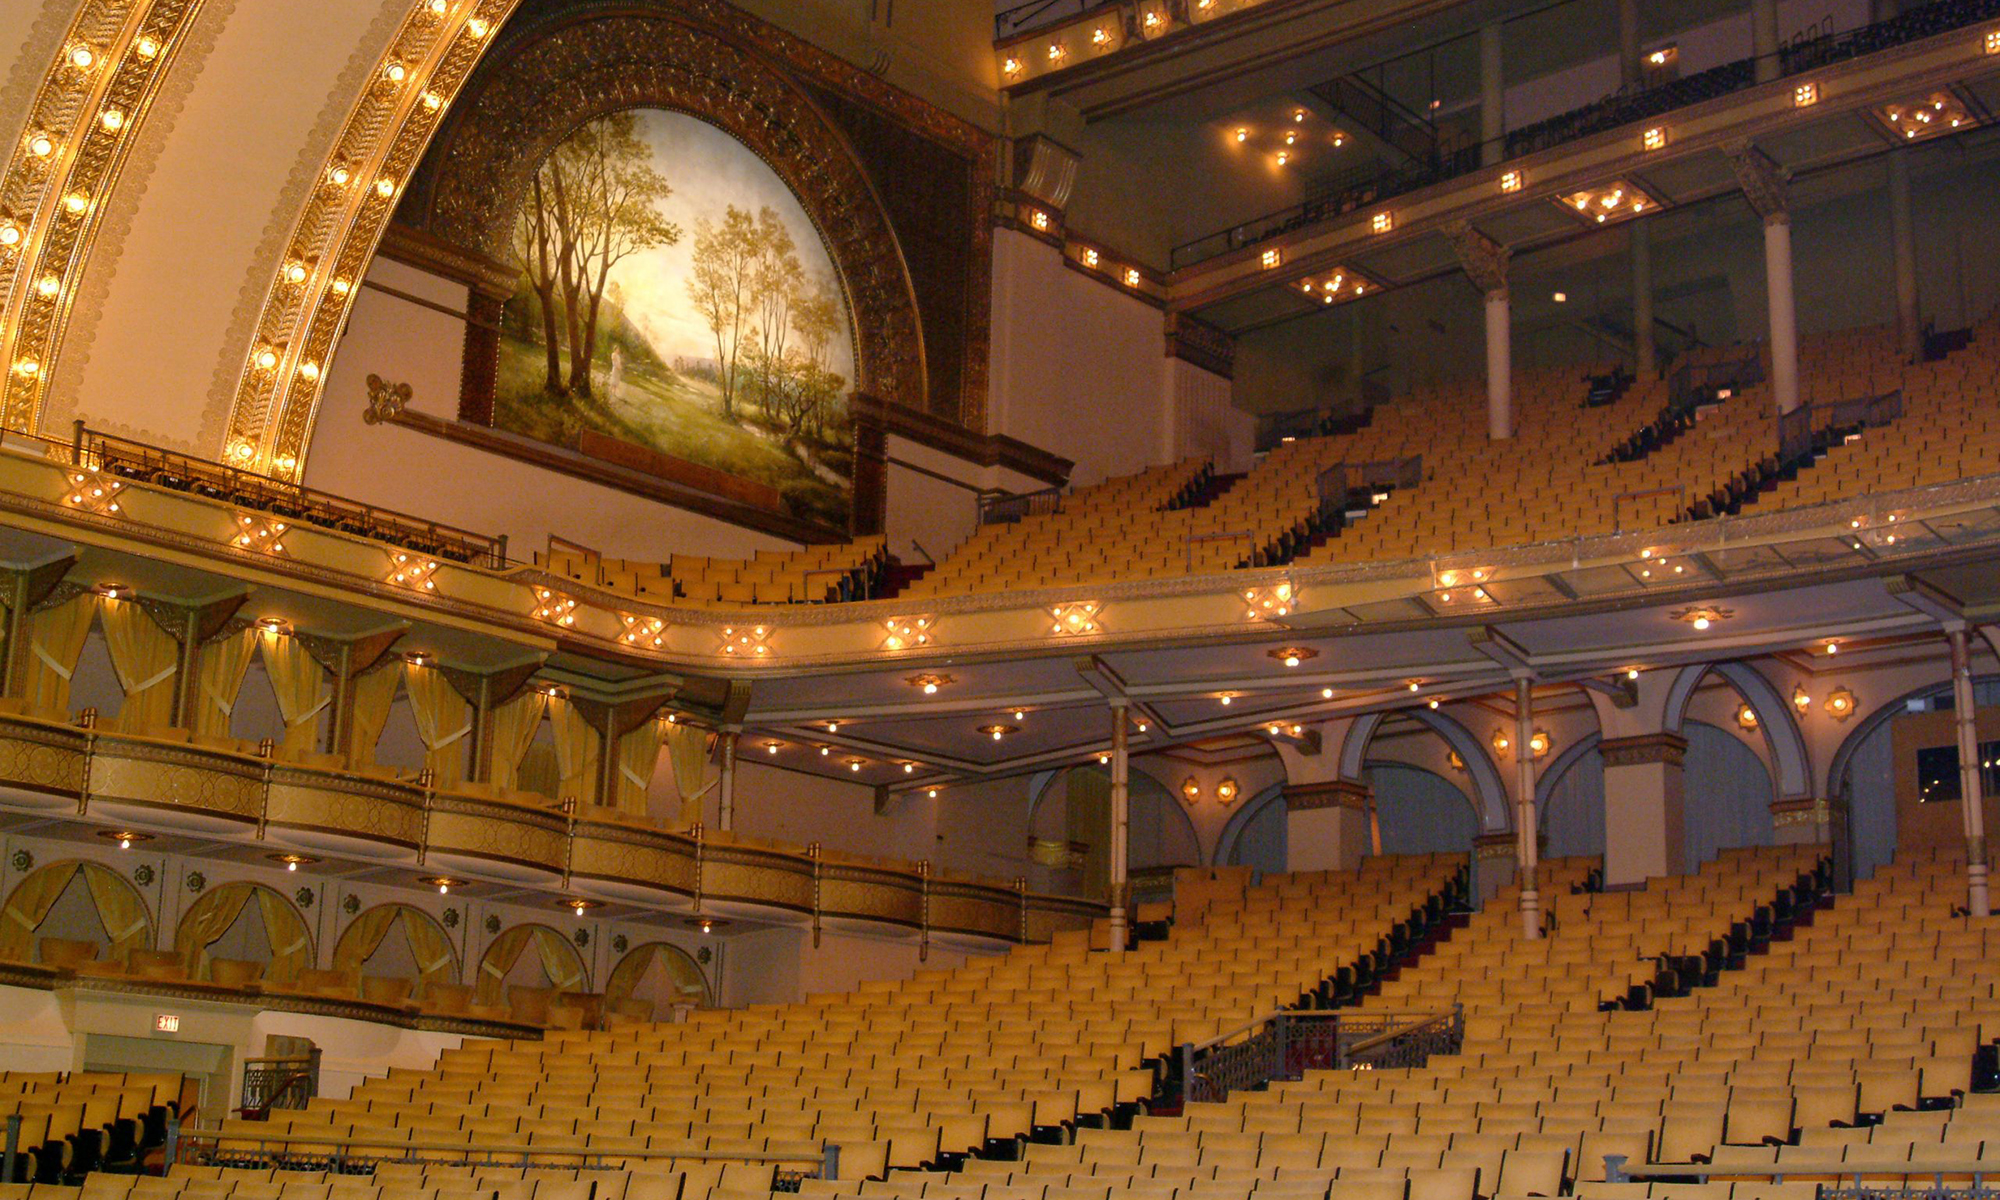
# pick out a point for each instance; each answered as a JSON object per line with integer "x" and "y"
{"x": 194, "y": 231}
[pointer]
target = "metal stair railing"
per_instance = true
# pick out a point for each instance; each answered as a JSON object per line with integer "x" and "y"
{"x": 1285, "y": 1043}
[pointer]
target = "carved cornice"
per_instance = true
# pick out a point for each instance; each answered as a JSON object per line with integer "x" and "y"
{"x": 1762, "y": 180}
{"x": 1333, "y": 793}
{"x": 1484, "y": 260}
{"x": 983, "y": 449}
{"x": 1644, "y": 749}
{"x": 419, "y": 248}
{"x": 1490, "y": 846}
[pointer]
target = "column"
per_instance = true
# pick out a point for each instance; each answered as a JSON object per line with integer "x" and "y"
{"x": 1784, "y": 322}
{"x": 1644, "y": 353}
{"x": 725, "y": 788}
{"x": 1631, "y": 70}
{"x": 1645, "y": 834}
{"x": 1328, "y": 825}
{"x": 1903, "y": 239}
{"x": 1121, "y": 821}
{"x": 1972, "y": 802}
{"x": 1764, "y": 38}
{"x": 1499, "y": 366}
{"x": 1527, "y": 828}
{"x": 1492, "y": 97}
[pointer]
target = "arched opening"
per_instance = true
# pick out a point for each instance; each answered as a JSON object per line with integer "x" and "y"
{"x": 1726, "y": 792}
{"x": 242, "y": 933}
{"x": 1863, "y": 774}
{"x": 72, "y": 914}
{"x": 1258, "y": 835}
{"x": 1420, "y": 810}
{"x": 396, "y": 951}
{"x": 1069, "y": 829}
{"x": 652, "y": 980}
{"x": 526, "y": 969}
{"x": 1570, "y": 799}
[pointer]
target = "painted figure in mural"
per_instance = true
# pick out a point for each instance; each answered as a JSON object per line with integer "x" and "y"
{"x": 675, "y": 300}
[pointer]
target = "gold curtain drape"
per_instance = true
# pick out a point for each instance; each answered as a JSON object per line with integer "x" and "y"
{"x": 559, "y": 960}
{"x": 122, "y": 910}
{"x": 577, "y": 748}
{"x": 206, "y": 922}
{"x": 443, "y": 719}
{"x": 437, "y": 962}
{"x": 373, "y": 694}
{"x": 500, "y": 959}
{"x": 146, "y": 659}
{"x": 55, "y": 641}
{"x": 638, "y": 755}
{"x": 364, "y": 936}
{"x": 291, "y": 945}
{"x": 687, "y": 748}
{"x": 218, "y": 678}
{"x": 628, "y": 974}
{"x": 297, "y": 679}
{"x": 514, "y": 726}
{"x": 29, "y": 906}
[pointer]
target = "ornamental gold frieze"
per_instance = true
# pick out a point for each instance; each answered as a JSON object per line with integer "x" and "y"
{"x": 964, "y": 910}
{"x": 503, "y": 833}
{"x": 871, "y": 894}
{"x": 322, "y": 801}
{"x": 513, "y": 118}
{"x": 757, "y": 877}
{"x": 633, "y": 857}
{"x": 169, "y": 776}
{"x": 43, "y": 758}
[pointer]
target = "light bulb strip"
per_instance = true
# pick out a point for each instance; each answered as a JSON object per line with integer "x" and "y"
{"x": 111, "y": 61}
{"x": 340, "y": 224}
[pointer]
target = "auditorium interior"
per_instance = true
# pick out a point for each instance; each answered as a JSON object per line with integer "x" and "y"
{"x": 1174, "y": 600}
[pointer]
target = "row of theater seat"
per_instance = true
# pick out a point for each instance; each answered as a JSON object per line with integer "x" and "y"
{"x": 73, "y": 1122}
{"x": 815, "y": 574}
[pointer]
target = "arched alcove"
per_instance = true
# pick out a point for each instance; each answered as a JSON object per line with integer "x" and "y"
{"x": 397, "y": 941}
{"x": 1570, "y": 801}
{"x": 1256, "y": 835}
{"x": 529, "y": 956}
{"x": 656, "y": 976}
{"x": 1421, "y": 811}
{"x": 1726, "y": 792}
{"x": 244, "y": 923}
{"x": 1159, "y": 832}
{"x": 72, "y": 905}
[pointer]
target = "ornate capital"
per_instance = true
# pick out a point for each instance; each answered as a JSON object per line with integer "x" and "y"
{"x": 1762, "y": 180}
{"x": 1802, "y": 810}
{"x": 1334, "y": 793}
{"x": 1484, "y": 260}
{"x": 1643, "y": 749}
{"x": 1489, "y": 846}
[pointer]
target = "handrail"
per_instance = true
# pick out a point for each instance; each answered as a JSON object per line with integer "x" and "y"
{"x": 1013, "y": 506}
{"x": 1390, "y": 1035}
{"x": 138, "y": 460}
{"x": 1616, "y": 1170}
{"x": 179, "y": 1138}
{"x": 1281, "y": 1044}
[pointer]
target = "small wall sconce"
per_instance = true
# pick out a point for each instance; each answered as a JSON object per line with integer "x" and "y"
{"x": 1226, "y": 791}
{"x": 1191, "y": 789}
{"x": 1840, "y": 704}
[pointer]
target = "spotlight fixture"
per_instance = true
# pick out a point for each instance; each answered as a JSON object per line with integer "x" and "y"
{"x": 1618, "y": 200}
{"x": 1805, "y": 95}
{"x": 1940, "y": 112}
{"x": 1225, "y": 698}
{"x": 929, "y": 684}
{"x": 1292, "y": 656}
{"x": 1655, "y": 138}
{"x": 996, "y": 731}
{"x": 125, "y": 838}
{"x": 443, "y": 883}
{"x": 293, "y": 861}
{"x": 1701, "y": 618}
{"x": 1326, "y": 693}
{"x": 1510, "y": 181}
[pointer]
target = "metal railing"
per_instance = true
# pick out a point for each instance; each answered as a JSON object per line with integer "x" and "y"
{"x": 279, "y": 1083}
{"x": 1010, "y": 507}
{"x": 1798, "y": 428}
{"x": 354, "y": 1155}
{"x": 1343, "y": 479}
{"x": 1626, "y": 107}
{"x": 1022, "y": 17}
{"x": 294, "y": 502}
{"x": 1694, "y": 382}
{"x": 1287, "y": 1043}
{"x": 1856, "y": 1174}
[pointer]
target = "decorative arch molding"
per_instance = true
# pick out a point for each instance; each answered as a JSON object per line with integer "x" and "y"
{"x": 120, "y": 907}
{"x": 589, "y": 66}
{"x": 631, "y": 970}
{"x": 1881, "y": 716}
{"x": 1553, "y": 774}
{"x": 1490, "y": 793}
{"x": 1232, "y": 829}
{"x": 218, "y": 909}
{"x": 437, "y": 957}
{"x": 561, "y": 964}
{"x": 1782, "y": 738}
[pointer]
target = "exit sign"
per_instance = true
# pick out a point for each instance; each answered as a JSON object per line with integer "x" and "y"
{"x": 166, "y": 1022}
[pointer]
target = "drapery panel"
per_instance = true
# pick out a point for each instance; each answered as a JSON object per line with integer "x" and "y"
{"x": 687, "y": 749}
{"x": 298, "y": 680}
{"x": 638, "y": 755}
{"x": 444, "y": 722}
{"x": 577, "y": 748}
{"x": 514, "y": 726}
{"x": 219, "y": 681}
{"x": 373, "y": 694}
{"x": 146, "y": 659}
{"x": 55, "y": 642}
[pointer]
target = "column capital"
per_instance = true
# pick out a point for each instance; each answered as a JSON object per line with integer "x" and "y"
{"x": 1643, "y": 749}
{"x": 1484, "y": 260}
{"x": 1762, "y": 181}
{"x": 1332, "y": 793}
{"x": 1800, "y": 810}
{"x": 1488, "y": 846}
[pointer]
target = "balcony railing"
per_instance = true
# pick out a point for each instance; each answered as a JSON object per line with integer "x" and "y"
{"x": 1285, "y": 1044}
{"x": 1612, "y": 112}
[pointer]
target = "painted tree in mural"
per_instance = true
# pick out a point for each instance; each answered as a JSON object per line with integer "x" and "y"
{"x": 593, "y": 204}
{"x": 721, "y": 284}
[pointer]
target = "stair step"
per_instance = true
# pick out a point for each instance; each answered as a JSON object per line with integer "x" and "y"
{"x": 897, "y": 576}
